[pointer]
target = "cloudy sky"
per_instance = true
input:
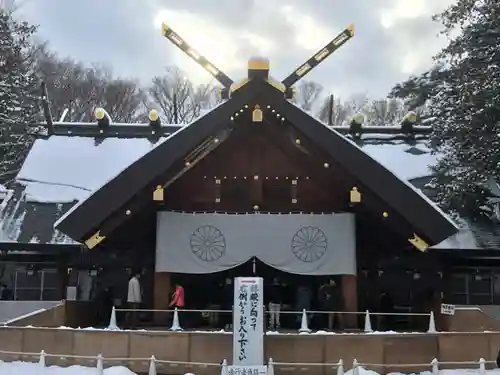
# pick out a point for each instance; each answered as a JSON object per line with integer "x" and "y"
{"x": 394, "y": 38}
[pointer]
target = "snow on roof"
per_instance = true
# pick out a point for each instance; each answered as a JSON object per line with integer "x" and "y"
{"x": 406, "y": 162}
{"x": 3, "y": 191}
{"x": 67, "y": 169}
{"x": 463, "y": 239}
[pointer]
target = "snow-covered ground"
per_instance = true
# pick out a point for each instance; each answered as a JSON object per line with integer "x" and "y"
{"x": 473, "y": 371}
{"x": 25, "y": 368}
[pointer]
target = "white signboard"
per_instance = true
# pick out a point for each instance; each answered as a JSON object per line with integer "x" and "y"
{"x": 248, "y": 322}
{"x": 447, "y": 309}
{"x": 247, "y": 370}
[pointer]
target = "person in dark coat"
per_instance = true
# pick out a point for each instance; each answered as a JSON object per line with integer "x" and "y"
{"x": 386, "y": 322}
{"x": 330, "y": 301}
{"x": 275, "y": 300}
{"x": 227, "y": 302}
{"x": 303, "y": 300}
{"x": 5, "y": 293}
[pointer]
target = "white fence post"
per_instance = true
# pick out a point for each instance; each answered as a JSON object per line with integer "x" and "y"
{"x": 432, "y": 324}
{"x": 355, "y": 367}
{"x": 304, "y": 326}
{"x": 368, "y": 322}
{"x": 152, "y": 366}
{"x": 435, "y": 366}
{"x": 270, "y": 367}
{"x": 223, "y": 368}
{"x": 112, "y": 321}
{"x": 100, "y": 364}
{"x": 340, "y": 367}
{"x": 482, "y": 366}
{"x": 41, "y": 361}
{"x": 175, "y": 322}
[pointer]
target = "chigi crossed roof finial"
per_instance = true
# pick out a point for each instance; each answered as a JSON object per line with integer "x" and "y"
{"x": 258, "y": 68}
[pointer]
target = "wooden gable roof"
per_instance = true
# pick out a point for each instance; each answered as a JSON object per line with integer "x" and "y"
{"x": 107, "y": 208}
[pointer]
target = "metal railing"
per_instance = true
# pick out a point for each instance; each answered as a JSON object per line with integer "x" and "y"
{"x": 304, "y": 315}
{"x": 154, "y": 364}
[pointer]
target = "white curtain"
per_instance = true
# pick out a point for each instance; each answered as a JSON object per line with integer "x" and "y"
{"x": 296, "y": 243}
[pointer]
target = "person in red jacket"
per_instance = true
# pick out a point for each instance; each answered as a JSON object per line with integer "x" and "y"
{"x": 178, "y": 297}
{"x": 178, "y": 300}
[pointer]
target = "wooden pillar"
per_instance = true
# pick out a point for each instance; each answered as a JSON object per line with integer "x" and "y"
{"x": 161, "y": 296}
{"x": 349, "y": 284}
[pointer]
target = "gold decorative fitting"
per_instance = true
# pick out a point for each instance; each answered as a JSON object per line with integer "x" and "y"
{"x": 217, "y": 182}
{"x": 158, "y": 194}
{"x": 239, "y": 85}
{"x": 94, "y": 240}
{"x": 217, "y": 200}
{"x": 257, "y": 115}
{"x": 419, "y": 243}
{"x": 355, "y": 195}
{"x": 294, "y": 200}
{"x": 258, "y": 64}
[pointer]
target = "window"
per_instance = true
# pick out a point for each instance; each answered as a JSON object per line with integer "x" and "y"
{"x": 40, "y": 285}
{"x": 478, "y": 288}
{"x": 458, "y": 292}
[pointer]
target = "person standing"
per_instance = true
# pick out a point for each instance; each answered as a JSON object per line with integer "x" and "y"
{"x": 275, "y": 300}
{"x": 227, "y": 304}
{"x": 178, "y": 300}
{"x": 134, "y": 299}
{"x": 303, "y": 301}
{"x": 330, "y": 301}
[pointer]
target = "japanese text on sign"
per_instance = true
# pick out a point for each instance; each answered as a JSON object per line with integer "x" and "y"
{"x": 447, "y": 309}
{"x": 248, "y": 322}
{"x": 242, "y": 329}
{"x": 247, "y": 370}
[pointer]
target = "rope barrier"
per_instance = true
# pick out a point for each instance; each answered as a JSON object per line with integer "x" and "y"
{"x": 281, "y": 312}
{"x": 110, "y": 359}
{"x": 304, "y": 321}
{"x": 339, "y": 366}
{"x": 333, "y": 364}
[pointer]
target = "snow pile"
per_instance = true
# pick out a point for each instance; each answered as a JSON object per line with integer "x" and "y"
{"x": 26, "y": 368}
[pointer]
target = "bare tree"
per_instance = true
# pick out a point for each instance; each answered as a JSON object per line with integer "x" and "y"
{"x": 307, "y": 95}
{"x": 178, "y": 100}
{"x": 335, "y": 108}
{"x": 385, "y": 112}
{"x": 357, "y": 103}
{"x": 81, "y": 89}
